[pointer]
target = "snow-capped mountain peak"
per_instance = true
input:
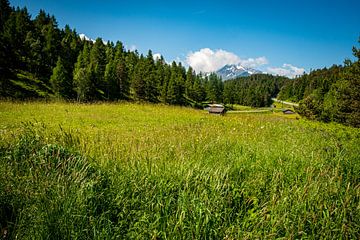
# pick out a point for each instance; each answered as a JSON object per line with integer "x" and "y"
{"x": 83, "y": 37}
{"x": 234, "y": 71}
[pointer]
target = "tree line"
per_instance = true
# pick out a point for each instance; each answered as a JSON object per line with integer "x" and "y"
{"x": 328, "y": 94}
{"x": 38, "y": 59}
{"x": 255, "y": 90}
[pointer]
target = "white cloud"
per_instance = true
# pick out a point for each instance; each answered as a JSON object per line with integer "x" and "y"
{"x": 179, "y": 60}
{"x": 207, "y": 60}
{"x": 287, "y": 70}
{"x": 157, "y": 56}
{"x": 132, "y": 48}
{"x": 254, "y": 62}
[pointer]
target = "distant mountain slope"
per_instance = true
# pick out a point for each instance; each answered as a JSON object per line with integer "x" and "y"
{"x": 233, "y": 71}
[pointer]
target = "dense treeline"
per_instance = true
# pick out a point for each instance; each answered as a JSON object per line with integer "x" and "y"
{"x": 255, "y": 90}
{"x": 40, "y": 60}
{"x": 328, "y": 94}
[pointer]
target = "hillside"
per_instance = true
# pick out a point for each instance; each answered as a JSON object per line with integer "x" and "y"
{"x": 43, "y": 61}
{"x": 328, "y": 94}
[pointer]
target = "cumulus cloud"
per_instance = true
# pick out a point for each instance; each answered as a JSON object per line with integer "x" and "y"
{"x": 287, "y": 70}
{"x": 207, "y": 60}
{"x": 254, "y": 62}
{"x": 157, "y": 56}
{"x": 132, "y": 48}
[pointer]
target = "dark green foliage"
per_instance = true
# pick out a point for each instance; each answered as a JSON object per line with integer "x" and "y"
{"x": 189, "y": 82}
{"x": 176, "y": 85}
{"x": 14, "y": 34}
{"x": 81, "y": 74}
{"x": 328, "y": 94}
{"x": 151, "y": 80}
{"x": 198, "y": 89}
{"x": 214, "y": 88}
{"x": 91, "y": 71}
{"x": 145, "y": 81}
{"x": 301, "y": 87}
{"x": 71, "y": 46}
{"x": 116, "y": 75}
{"x": 47, "y": 37}
{"x": 256, "y": 90}
{"x": 138, "y": 80}
{"x": 5, "y": 11}
{"x": 94, "y": 71}
{"x": 97, "y": 70}
{"x": 61, "y": 81}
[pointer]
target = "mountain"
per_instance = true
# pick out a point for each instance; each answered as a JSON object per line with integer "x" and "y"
{"x": 84, "y": 37}
{"x": 234, "y": 71}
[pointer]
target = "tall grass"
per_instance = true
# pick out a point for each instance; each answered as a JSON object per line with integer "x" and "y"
{"x": 133, "y": 171}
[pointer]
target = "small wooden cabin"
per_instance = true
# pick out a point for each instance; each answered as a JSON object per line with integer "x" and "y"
{"x": 216, "y": 109}
{"x": 288, "y": 111}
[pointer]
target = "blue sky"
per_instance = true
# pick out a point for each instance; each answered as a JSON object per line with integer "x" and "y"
{"x": 284, "y": 37}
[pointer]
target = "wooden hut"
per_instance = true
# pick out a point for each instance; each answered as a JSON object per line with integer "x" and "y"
{"x": 216, "y": 109}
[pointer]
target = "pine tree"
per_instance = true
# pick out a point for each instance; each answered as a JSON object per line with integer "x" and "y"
{"x": 159, "y": 75}
{"x": 116, "y": 79}
{"x": 70, "y": 47}
{"x": 164, "y": 85}
{"x": 175, "y": 87}
{"x": 5, "y": 50}
{"x": 198, "y": 93}
{"x": 119, "y": 50}
{"x": 131, "y": 60}
{"x": 171, "y": 94}
{"x": 190, "y": 75}
{"x": 60, "y": 81}
{"x": 110, "y": 80}
{"x": 122, "y": 79}
{"x": 97, "y": 69}
{"x": 13, "y": 37}
{"x": 82, "y": 83}
{"x": 121, "y": 85}
{"x": 342, "y": 103}
{"x": 213, "y": 88}
{"x": 5, "y": 11}
{"x": 151, "y": 84}
{"x": 138, "y": 80}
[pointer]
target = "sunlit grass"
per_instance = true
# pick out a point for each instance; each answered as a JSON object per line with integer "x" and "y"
{"x": 154, "y": 171}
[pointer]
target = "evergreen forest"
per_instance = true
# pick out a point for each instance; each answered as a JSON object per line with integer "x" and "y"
{"x": 39, "y": 60}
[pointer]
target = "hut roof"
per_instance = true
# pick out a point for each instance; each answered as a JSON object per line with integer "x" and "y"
{"x": 288, "y": 111}
{"x": 216, "y": 105}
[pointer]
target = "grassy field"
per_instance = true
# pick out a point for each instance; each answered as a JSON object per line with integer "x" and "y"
{"x": 132, "y": 171}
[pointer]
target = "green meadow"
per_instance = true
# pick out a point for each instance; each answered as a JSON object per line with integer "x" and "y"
{"x": 143, "y": 171}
